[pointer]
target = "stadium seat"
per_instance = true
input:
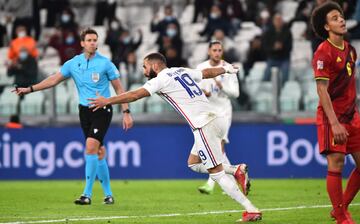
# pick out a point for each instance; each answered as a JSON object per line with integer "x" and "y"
{"x": 155, "y": 104}
{"x": 115, "y": 107}
{"x": 255, "y": 77}
{"x": 290, "y": 97}
{"x": 311, "y": 98}
{"x": 8, "y": 102}
{"x": 62, "y": 99}
{"x": 187, "y": 15}
{"x": 298, "y": 29}
{"x": 288, "y": 9}
{"x": 138, "y": 106}
{"x": 33, "y": 104}
{"x": 262, "y": 99}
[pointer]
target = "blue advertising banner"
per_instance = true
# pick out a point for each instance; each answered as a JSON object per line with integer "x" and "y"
{"x": 160, "y": 151}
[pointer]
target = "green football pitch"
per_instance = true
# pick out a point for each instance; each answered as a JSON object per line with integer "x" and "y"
{"x": 283, "y": 201}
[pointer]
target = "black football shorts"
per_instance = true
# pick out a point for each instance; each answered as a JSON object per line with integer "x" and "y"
{"x": 95, "y": 123}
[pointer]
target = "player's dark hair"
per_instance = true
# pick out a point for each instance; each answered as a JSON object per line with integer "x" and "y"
{"x": 318, "y": 18}
{"x": 156, "y": 57}
{"x": 87, "y": 31}
{"x": 213, "y": 42}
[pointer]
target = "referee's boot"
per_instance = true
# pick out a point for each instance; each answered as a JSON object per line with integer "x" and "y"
{"x": 83, "y": 200}
{"x": 109, "y": 200}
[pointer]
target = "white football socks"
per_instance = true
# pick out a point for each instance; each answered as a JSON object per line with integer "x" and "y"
{"x": 200, "y": 168}
{"x": 228, "y": 186}
{"x": 227, "y": 162}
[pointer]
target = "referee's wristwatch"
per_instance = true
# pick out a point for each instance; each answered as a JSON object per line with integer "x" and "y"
{"x": 127, "y": 111}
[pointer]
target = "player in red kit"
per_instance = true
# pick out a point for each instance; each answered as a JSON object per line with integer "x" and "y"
{"x": 338, "y": 120}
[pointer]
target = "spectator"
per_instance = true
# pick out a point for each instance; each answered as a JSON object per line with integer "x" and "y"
{"x": 3, "y": 35}
{"x": 66, "y": 43}
{"x": 234, "y": 13}
{"x": 230, "y": 53}
{"x": 67, "y": 20}
{"x": 255, "y": 53}
{"x": 174, "y": 59}
{"x": 14, "y": 122}
{"x": 263, "y": 20}
{"x": 123, "y": 45}
{"x": 277, "y": 42}
{"x": 22, "y": 40}
{"x": 25, "y": 69}
{"x": 112, "y": 38}
{"x": 24, "y": 13}
{"x": 133, "y": 70}
{"x": 161, "y": 26}
{"x": 105, "y": 9}
{"x": 172, "y": 38}
{"x": 54, "y": 9}
{"x": 309, "y": 33}
{"x": 202, "y": 7}
{"x": 215, "y": 21}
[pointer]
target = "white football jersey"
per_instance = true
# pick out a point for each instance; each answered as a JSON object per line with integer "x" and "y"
{"x": 180, "y": 88}
{"x": 220, "y": 98}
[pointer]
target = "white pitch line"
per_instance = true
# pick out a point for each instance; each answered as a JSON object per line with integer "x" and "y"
{"x": 167, "y": 215}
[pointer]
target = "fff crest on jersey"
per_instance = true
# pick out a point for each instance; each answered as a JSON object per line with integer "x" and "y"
{"x": 95, "y": 77}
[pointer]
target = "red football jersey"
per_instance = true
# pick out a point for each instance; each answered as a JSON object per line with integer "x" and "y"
{"x": 338, "y": 66}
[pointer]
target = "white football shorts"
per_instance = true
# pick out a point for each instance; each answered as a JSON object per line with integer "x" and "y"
{"x": 207, "y": 143}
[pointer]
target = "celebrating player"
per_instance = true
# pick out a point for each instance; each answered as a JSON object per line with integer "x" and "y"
{"x": 91, "y": 73}
{"x": 178, "y": 87}
{"x": 338, "y": 121}
{"x": 219, "y": 90}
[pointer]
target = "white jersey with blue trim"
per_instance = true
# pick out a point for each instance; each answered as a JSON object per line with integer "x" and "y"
{"x": 220, "y": 98}
{"x": 179, "y": 87}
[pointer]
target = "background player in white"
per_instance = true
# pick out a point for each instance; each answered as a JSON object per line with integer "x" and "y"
{"x": 219, "y": 90}
{"x": 179, "y": 87}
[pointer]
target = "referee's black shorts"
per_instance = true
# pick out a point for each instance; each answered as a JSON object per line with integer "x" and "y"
{"x": 95, "y": 123}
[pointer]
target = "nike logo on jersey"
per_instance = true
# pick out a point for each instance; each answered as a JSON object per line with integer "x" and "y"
{"x": 95, "y": 130}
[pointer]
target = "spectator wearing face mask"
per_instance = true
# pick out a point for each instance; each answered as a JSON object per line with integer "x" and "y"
{"x": 66, "y": 43}
{"x": 67, "y": 20}
{"x": 172, "y": 38}
{"x": 160, "y": 26}
{"x": 216, "y": 21}
{"x": 25, "y": 69}
{"x": 22, "y": 40}
{"x": 114, "y": 31}
{"x": 124, "y": 45}
{"x": 54, "y": 9}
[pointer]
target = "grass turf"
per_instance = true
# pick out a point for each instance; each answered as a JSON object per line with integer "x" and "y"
{"x": 165, "y": 201}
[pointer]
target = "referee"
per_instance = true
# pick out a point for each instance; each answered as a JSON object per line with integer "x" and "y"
{"x": 91, "y": 73}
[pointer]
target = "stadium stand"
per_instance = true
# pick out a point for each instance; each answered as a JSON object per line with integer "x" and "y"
{"x": 298, "y": 95}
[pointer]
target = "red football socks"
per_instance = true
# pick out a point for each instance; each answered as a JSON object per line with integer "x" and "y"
{"x": 334, "y": 188}
{"x": 352, "y": 187}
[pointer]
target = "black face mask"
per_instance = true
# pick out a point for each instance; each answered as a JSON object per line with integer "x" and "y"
{"x": 152, "y": 74}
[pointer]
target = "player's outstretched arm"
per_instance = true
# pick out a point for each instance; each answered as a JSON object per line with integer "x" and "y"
{"x": 49, "y": 82}
{"x": 126, "y": 97}
{"x": 213, "y": 72}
